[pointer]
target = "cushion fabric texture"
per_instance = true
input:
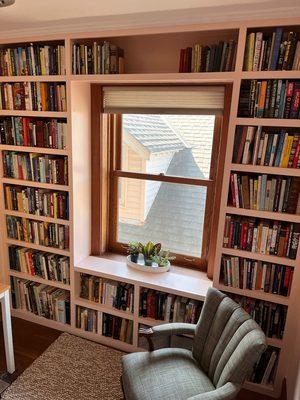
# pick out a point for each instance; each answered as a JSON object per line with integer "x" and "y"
{"x": 227, "y": 344}
{"x": 166, "y": 374}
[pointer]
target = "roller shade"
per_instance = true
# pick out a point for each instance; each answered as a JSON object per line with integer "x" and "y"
{"x": 163, "y": 100}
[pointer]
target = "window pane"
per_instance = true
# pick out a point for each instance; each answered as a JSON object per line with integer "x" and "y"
{"x": 178, "y": 145}
{"x": 172, "y": 214}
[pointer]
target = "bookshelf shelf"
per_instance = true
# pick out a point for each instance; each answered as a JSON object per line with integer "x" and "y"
{"x": 102, "y": 307}
{"x": 284, "y": 123}
{"x": 257, "y": 256}
{"x": 27, "y": 149}
{"x": 29, "y": 113}
{"x": 36, "y": 217}
{"x": 41, "y": 185}
{"x": 264, "y": 170}
{"x": 38, "y": 247}
{"x": 28, "y": 316}
{"x": 158, "y": 77}
{"x": 38, "y": 279}
{"x": 275, "y": 342}
{"x": 33, "y": 78}
{"x": 270, "y": 75}
{"x": 105, "y": 340}
{"x": 264, "y": 214}
{"x": 267, "y": 390}
{"x": 257, "y": 294}
{"x": 150, "y": 321}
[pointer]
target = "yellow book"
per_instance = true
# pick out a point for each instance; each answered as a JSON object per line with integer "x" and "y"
{"x": 249, "y": 53}
{"x": 8, "y": 198}
{"x": 255, "y": 184}
{"x": 287, "y": 151}
{"x": 20, "y": 202}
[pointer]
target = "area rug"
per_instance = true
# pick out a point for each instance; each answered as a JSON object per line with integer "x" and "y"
{"x": 72, "y": 368}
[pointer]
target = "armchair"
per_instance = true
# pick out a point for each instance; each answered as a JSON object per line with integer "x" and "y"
{"x": 227, "y": 344}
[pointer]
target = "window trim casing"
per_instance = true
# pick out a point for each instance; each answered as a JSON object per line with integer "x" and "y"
{"x": 102, "y": 183}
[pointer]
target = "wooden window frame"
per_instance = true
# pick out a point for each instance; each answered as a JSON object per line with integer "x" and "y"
{"x": 106, "y": 170}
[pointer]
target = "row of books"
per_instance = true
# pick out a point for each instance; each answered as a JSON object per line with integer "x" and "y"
{"x": 33, "y": 59}
{"x": 36, "y": 167}
{"x": 261, "y": 236}
{"x": 270, "y": 317}
{"x": 42, "y": 300}
{"x": 38, "y": 232}
{"x": 104, "y": 324}
{"x": 42, "y": 202}
{"x": 48, "y": 266}
{"x": 272, "y": 52}
{"x": 113, "y": 294}
{"x": 265, "y": 370}
{"x": 272, "y": 98}
{"x": 168, "y": 307}
{"x": 243, "y": 273}
{"x": 265, "y": 192}
{"x": 276, "y": 148}
{"x": 215, "y": 58}
{"x": 98, "y": 58}
{"x": 33, "y": 132}
{"x": 33, "y": 96}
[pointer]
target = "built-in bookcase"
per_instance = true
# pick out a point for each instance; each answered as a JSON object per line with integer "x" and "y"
{"x": 259, "y": 216}
{"x": 148, "y": 56}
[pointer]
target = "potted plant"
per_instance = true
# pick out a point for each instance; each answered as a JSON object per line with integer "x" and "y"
{"x": 133, "y": 249}
{"x": 149, "y": 250}
{"x": 162, "y": 258}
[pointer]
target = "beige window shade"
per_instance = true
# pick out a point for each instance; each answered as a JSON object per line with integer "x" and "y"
{"x": 154, "y": 99}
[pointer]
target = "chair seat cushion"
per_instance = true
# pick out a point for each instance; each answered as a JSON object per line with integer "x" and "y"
{"x": 166, "y": 374}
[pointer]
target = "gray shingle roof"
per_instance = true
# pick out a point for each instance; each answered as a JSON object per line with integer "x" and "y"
{"x": 152, "y": 132}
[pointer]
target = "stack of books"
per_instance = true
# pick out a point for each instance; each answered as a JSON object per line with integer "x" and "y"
{"x": 262, "y": 236}
{"x": 113, "y": 294}
{"x": 104, "y": 324}
{"x": 274, "y": 51}
{"x": 48, "y": 266}
{"x": 243, "y": 273}
{"x": 38, "y": 232}
{"x": 36, "y": 167}
{"x": 168, "y": 307}
{"x": 270, "y": 317}
{"x": 215, "y": 58}
{"x": 272, "y": 148}
{"x": 33, "y": 59}
{"x": 33, "y": 96}
{"x": 265, "y": 192}
{"x": 33, "y": 132}
{"x": 98, "y": 58}
{"x": 46, "y": 203}
{"x": 42, "y": 300}
{"x": 272, "y": 98}
{"x": 265, "y": 370}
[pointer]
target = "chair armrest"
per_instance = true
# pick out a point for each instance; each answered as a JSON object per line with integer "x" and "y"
{"x": 226, "y": 392}
{"x": 176, "y": 328}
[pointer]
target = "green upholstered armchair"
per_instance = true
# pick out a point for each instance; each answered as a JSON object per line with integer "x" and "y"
{"x": 227, "y": 344}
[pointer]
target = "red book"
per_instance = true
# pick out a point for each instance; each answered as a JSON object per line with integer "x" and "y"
{"x": 295, "y": 101}
{"x": 296, "y": 156}
{"x": 244, "y": 235}
{"x": 53, "y": 143}
{"x": 181, "y": 60}
{"x": 40, "y": 133}
{"x": 230, "y": 236}
{"x": 241, "y": 146}
{"x": 25, "y": 125}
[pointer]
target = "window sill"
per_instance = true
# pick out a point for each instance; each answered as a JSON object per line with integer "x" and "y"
{"x": 179, "y": 281}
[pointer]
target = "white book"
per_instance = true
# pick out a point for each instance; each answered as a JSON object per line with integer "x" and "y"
{"x": 296, "y": 63}
{"x": 168, "y": 307}
{"x": 263, "y": 278}
{"x": 236, "y": 193}
{"x": 256, "y": 145}
{"x": 281, "y": 197}
{"x": 263, "y": 46}
{"x": 249, "y": 138}
{"x": 264, "y": 239}
{"x": 245, "y": 267}
{"x": 254, "y": 240}
{"x": 274, "y": 145}
{"x": 257, "y": 50}
{"x": 99, "y": 322}
{"x": 265, "y": 143}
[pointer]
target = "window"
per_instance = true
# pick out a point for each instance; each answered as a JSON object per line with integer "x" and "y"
{"x": 161, "y": 178}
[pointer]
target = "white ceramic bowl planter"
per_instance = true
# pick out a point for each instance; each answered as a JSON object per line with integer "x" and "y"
{"x": 145, "y": 268}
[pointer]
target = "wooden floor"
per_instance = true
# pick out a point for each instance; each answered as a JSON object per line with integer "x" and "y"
{"x": 31, "y": 340}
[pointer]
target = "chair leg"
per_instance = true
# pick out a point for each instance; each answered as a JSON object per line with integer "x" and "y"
{"x": 121, "y": 381}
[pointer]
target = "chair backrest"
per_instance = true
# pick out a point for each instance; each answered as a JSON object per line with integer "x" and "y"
{"x": 228, "y": 342}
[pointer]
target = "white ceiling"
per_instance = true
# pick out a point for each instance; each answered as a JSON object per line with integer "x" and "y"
{"x": 37, "y": 16}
